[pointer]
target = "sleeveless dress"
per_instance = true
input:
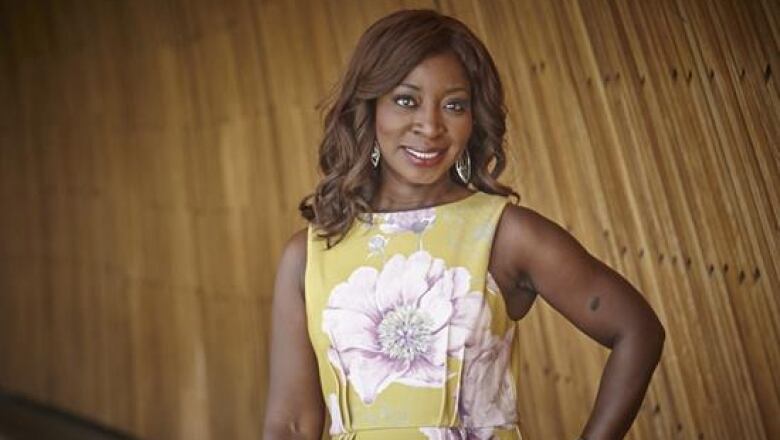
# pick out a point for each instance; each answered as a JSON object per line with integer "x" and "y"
{"x": 410, "y": 331}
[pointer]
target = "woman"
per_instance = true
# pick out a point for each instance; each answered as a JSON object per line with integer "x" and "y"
{"x": 395, "y": 309}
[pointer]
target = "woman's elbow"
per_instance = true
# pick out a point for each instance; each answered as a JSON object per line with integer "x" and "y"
{"x": 655, "y": 331}
{"x": 302, "y": 428}
{"x": 651, "y": 337}
{"x": 659, "y": 337}
{"x": 644, "y": 337}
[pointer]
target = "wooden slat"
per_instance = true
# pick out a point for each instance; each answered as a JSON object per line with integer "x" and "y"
{"x": 153, "y": 155}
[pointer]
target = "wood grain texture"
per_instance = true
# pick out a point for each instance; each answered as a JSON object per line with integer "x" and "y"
{"x": 152, "y": 155}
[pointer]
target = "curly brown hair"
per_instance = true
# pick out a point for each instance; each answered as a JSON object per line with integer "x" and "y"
{"x": 385, "y": 54}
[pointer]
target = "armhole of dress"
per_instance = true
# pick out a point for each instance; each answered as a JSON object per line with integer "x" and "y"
{"x": 306, "y": 290}
{"x": 505, "y": 202}
{"x": 499, "y": 215}
{"x": 306, "y": 265}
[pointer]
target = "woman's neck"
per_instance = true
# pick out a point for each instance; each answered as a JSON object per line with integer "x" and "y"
{"x": 403, "y": 197}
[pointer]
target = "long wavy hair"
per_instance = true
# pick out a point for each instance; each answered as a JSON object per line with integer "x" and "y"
{"x": 385, "y": 54}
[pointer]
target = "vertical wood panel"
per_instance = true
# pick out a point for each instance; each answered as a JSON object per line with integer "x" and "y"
{"x": 153, "y": 154}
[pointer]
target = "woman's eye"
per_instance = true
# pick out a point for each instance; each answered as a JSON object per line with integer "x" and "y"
{"x": 456, "y": 106}
{"x": 405, "y": 101}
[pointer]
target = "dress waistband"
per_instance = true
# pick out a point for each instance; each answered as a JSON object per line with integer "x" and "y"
{"x": 511, "y": 432}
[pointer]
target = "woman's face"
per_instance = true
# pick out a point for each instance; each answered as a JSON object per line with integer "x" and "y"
{"x": 424, "y": 123}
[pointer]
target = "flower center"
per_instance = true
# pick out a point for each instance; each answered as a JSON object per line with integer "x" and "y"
{"x": 405, "y": 333}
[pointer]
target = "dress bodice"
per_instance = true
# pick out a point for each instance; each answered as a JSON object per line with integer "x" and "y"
{"x": 410, "y": 331}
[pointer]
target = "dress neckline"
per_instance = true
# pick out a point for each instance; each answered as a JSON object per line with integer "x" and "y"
{"x": 423, "y": 208}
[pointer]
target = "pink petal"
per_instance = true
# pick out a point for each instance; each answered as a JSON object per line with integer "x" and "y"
{"x": 335, "y": 359}
{"x": 456, "y": 339}
{"x": 336, "y": 426}
{"x": 437, "y": 354}
{"x": 487, "y": 394}
{"x": 413, "y": 289}
{"x": 437, "y": 288}
{"x": 349, "y": 329}
{"x": 357, "y": 293}
{"x": 370, "y": 373}
{"x": 461, "y": 279}
{"x": 434, "y": 433}
{"x": 388, "y": 286}
{"x": 446, "y": 284}
{"x": 481, "y": 434}
{"x": 470, "y": 319}
{"x": 415, "y": 277}
{"x": 437, "y": 305}
{"x": 437, "y": 270}
{"x": 468, "y": 308}
{"x": 388, "y": 228}
{"x": 421, "y": 260}
{"x": 423, "y": 373}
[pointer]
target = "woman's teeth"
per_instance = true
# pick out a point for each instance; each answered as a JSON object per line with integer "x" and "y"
{"x": 421, "y": 155}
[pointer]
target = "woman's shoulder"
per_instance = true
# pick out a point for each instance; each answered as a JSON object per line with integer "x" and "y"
{"x": 293, "y": 259}
{"x": 521, "y": 225}
{"x": 298, "y": 239}
{"x": 296, "y": 244}
{"x": 525, "y": 238}
{"x": 520, "y": 215}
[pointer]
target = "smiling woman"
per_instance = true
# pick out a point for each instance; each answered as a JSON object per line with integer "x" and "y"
{"x": 395, "y": 310}
{"x": 423, "y": 125}
{"x": 422, "y": 90}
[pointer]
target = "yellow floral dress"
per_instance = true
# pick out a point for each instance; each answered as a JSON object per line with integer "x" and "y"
{"x": 410, "y": 331}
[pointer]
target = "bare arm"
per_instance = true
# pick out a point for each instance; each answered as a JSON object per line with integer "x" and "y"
{"x": 294, "y": 409}
{"x": 597, "y": 300}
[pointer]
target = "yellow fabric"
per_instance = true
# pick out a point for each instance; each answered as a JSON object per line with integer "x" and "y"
{"x": 410, "y": 331}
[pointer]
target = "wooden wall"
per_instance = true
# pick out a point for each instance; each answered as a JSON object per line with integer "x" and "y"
{"x": 153, "y": 153}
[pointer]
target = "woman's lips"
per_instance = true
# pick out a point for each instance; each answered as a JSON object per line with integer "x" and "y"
{"x": 424, "y": 158}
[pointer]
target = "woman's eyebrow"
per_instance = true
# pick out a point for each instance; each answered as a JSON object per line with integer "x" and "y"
{"x": 446, "y": 92}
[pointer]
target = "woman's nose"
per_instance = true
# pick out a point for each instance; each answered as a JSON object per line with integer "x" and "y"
{"x": 428, "y": 121}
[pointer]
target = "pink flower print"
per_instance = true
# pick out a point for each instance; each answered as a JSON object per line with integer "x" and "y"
{"x": 416, "y": 221}
{"x": 400, "y": 324}
{"x": 336, "y": 426}
{"x": 434, "y": 433}
{"x": 376, "y": 245}
{"x": 487, "y": 395}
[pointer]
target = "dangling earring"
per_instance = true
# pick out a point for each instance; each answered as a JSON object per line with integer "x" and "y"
{"x": 463, "y": 167}
{"x": 375, "y": 154}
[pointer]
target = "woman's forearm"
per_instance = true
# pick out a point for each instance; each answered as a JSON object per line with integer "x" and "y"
{"x": 624, "y": 383}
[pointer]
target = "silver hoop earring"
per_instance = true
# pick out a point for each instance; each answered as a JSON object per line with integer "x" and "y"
{"x": 375, "y": 154}
{"x": 463, "y": 167}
